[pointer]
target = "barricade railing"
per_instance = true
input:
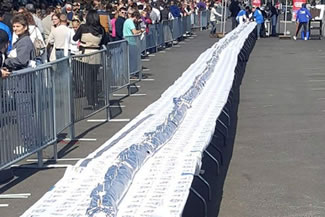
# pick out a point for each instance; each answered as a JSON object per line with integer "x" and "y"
{"x": 89, "y": 83}
{"x": 135, "y": 49}
{"x": 62, "y": 95}
{"x": 117, "y": 64}
{"x": 26, "y": 114}
{"x": 37, "y": 104}
{"x": 152, "y": 38}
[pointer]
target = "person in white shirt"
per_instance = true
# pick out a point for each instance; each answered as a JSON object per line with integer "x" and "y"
{"x": 73, "y": 45}
{"x": 47, "y": 22}
{"x": 38, "y": 21}
{"x": 59, "y": 37}
{"x": 213, "y": 19}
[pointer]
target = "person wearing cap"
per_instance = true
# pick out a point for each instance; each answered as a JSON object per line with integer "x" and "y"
{"x": 4, "y": 42}
{"x": 38, "y": 21}
{"x": 6, "y": 29}
{"x": 303, "y": 17}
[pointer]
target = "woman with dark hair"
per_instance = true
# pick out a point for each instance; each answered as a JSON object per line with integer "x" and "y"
{"x": 91, "y": 36}
{"x": 23, "y": 49}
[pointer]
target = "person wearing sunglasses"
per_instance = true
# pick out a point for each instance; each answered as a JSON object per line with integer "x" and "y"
{"x": 122, "y": 15}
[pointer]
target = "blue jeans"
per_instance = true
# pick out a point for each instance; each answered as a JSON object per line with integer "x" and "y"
{"x": 214, "y": 27}
{"x": 259, "y": 30}
{"x": 274, "y": 22}
{"x": 59, "y": 54}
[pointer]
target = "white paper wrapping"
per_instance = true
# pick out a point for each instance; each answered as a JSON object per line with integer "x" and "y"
{"x": 147, "y": 168}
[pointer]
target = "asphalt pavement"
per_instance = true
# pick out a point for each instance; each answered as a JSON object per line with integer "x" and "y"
{"x": 278, "y": 161}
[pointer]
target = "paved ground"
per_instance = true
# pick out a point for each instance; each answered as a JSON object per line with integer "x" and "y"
{"x": 278, "y": 162}
{"x": 165, "y": 68}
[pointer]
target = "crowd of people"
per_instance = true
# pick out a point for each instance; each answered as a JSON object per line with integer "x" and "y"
{"x": 241, "y": 13}
{"x": 33, "y": 31}
{"x": 36, "y": 31}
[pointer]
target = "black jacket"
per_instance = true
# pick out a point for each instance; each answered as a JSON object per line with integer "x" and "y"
{"x": 119, "y": 28}
{"x": 234, "y": 8}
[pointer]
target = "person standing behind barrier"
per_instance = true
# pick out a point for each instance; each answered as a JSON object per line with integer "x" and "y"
{"x": 38, "y": 21}
{"x": 73, "y": 45}
{"x": 5, "y": 174}
{"x": 259, "y": 19}
{"x": 23, "y": 50}
{"x": 303, "y": 17}
{"x": 129, "y": 25}
{"x": 213, "y": 19}
{"x": 19, "y": 58}
{"x": 6, "y": 29}
{"x": 154, "y": 17}
{"x": 234, "y": 10}
{"x": 122, "y": 13}
{"x": 91, "y": 36}
{"x": 47, "y": 22}
{"x": 174, "y": 10}
{"x": 4, "y": 43}
{"x": 129, "y": 30}
{"x": 104, "y": 18}
{"x": 7, "y": 15}
{"x": 155, "y": 11}
{"x": 58, "y": 37}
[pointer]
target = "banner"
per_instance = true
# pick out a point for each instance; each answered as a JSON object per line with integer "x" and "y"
{"x": 296, "y": 5}
{"x": 256, "y": 3}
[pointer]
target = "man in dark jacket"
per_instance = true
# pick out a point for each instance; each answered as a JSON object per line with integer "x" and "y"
{"x": 234, "y": 10}
{"x": 119, "y": 23}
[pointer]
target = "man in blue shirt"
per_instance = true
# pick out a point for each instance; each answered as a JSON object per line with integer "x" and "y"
{"x": 303, "y": 16}
{"x": 6, "y": 29}
{"x": 259, "y": 19}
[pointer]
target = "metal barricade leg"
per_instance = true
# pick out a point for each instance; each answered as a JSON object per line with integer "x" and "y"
{"x": 215, "y": 146}
{"x": 55, "y": 152}
{"x": 40, "y": 158}
{"x": 205, "y": 206}
{"x": 207, "y": 184}
{"x": 71, "y": 96}
{"x": 213, "y": 159}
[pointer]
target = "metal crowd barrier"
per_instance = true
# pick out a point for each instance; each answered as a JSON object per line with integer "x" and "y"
{"x": 89, "y": 83}
{"x": 38, "y": 104}
{"x": 27, "y": 116}
{"x": 117, "y": 65}
{"x": 135, "y": 49}
{"x": 62, "y": 94}
{"x": 201, "y": 19}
